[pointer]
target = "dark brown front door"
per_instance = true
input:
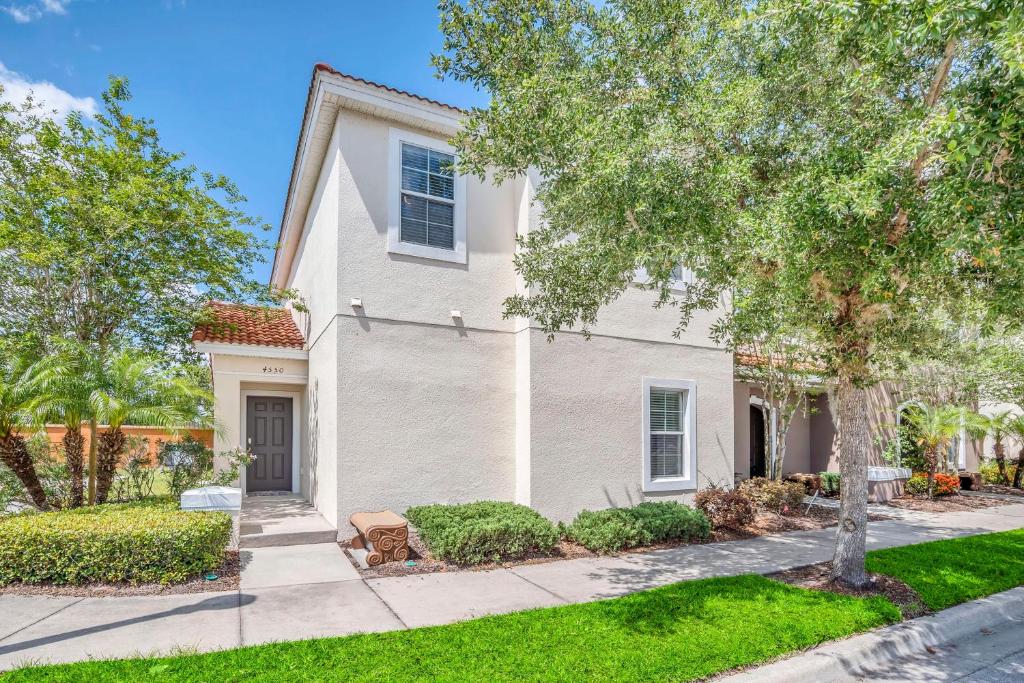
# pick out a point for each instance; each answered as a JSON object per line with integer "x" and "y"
{"x": 268, "y": 425}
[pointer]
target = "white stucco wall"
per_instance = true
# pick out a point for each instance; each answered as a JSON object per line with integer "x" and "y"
{"x": 406, "y": 406}
{"x": 425, "y": 415}
{"x": 408, "y": 288}
{"x": 587, "y": 431}
{"x": 315, "y": 271}
{"x": 321, "y": 444}
{"x": 234, "y": 374}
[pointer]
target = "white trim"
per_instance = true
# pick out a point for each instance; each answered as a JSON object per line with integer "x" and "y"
{"x": 689, "y": 479}
{"x": 251, "y": 350}
{"x": 641, "y": 277}
{"x": 396, "y": 136}
{"x": 260, "y": 377}
{"x": 773, "y": 432}
{"x": 396, "y": 103}
{"x": 296, "y": 397}
{"x": 306, "y": 134}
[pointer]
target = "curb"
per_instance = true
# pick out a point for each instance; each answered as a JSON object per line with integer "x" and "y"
{"x": 869, "y": 653}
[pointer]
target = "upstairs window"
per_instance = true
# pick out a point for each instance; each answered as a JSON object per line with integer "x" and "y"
{"x": 426, "y": 214}
{"x": 428, "y": 197}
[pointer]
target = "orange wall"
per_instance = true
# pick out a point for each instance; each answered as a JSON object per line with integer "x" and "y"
{"x": 152, "y": 434}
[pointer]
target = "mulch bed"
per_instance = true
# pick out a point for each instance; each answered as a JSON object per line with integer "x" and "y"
{"x": 1001, "y": 489}
{"x": 427, "y": 564}
{"x": 766, "y": 524}
{"x": 816, "y": 577}
{"x": 227, "y": 580}
{"x": 952, "y": 503}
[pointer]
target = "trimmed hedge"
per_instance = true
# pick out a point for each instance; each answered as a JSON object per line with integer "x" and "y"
{"x": 150, "y": 542}
{"x": 486, "y": 531}
{"x": 620, "y": 528}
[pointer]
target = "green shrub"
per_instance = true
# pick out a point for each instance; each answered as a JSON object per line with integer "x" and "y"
{"x": 486, "y": 531}
{"x": 151, "y": 542}
{"x": 829, "y": 483}
{"x": 726, "y": 508}
{"x": 989, "y": 471}
{"x": 777, "y": 496}
{"x": 945, "y": 484}
{"x": 619, "y": 528}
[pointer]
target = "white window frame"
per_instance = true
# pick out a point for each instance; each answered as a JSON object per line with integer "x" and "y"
{"x": 395, "y": 244}
{"x": 641, "y": 276}
{"x": 689, "y": 479}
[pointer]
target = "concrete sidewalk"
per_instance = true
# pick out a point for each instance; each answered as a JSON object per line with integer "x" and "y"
{"x": 982, "y": 640}
{"x": 305, "y": 591}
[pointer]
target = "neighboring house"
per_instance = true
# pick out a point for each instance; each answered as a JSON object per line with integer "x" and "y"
{"x": 403, "y": 384}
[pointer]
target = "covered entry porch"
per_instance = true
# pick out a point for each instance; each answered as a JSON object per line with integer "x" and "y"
{"x": 258, "y": 364}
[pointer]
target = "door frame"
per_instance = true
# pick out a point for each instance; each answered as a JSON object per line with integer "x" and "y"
{"x": 296, "y": 397}
{"x": 759, "y": 402}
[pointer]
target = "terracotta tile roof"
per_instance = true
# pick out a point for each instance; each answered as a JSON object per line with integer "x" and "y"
{"x": 321, "y": 66}
{"x": 751, "y": 360}
{"x": 255, "y": 325}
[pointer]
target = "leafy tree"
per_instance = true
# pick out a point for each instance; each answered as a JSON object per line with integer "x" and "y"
{"x": 109, "y": 238}
{"x": 137, "y": 389}
{"x": 862, "y": 158}
{"x": 775, "y": 358}
{"x": 17, "y": 399}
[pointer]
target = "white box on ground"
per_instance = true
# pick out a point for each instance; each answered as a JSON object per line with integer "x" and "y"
{"x": 224, "y": 498}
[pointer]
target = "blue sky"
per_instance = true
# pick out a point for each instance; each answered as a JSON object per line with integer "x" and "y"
{"x": 225, "y": 80}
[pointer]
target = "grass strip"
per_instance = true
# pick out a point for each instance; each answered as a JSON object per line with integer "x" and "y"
{"x": 679, "y": 632}
{"x": 949, "y": 572}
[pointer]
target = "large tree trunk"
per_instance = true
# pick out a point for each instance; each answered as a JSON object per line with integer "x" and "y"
{"x": 111, "y": 445}
{"x": 1017, "y": 472}
{"x": 74, "y": 451}
{"x": 854, "y": 445}
{"x": 14, "y": 454}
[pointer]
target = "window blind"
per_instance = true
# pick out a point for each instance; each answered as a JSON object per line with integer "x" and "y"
{"x": 667, "y": 432}
{"x": 428, "y": 197}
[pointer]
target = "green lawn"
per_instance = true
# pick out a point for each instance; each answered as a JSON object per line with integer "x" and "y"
{"x": 678, "y": 632}
{"x": 946, "y": 573}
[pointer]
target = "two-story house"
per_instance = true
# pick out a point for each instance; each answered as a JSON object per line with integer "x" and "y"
{"x": 404, "y": 384}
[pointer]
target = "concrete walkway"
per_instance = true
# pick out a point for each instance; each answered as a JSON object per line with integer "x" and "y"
{"x": 311, "y": 590}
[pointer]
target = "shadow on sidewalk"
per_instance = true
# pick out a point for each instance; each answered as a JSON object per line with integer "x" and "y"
{"x": 218, "y": 602}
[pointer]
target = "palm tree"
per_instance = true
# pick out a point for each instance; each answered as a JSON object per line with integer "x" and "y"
{"x": 17, "y": 396}
{"x": 999, "y": 425}
{"x": 937, "y": 427}
{"x": 63, "y": 384}
{"x": 1016, "y": 429}
{"x": 136, "y": 389}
